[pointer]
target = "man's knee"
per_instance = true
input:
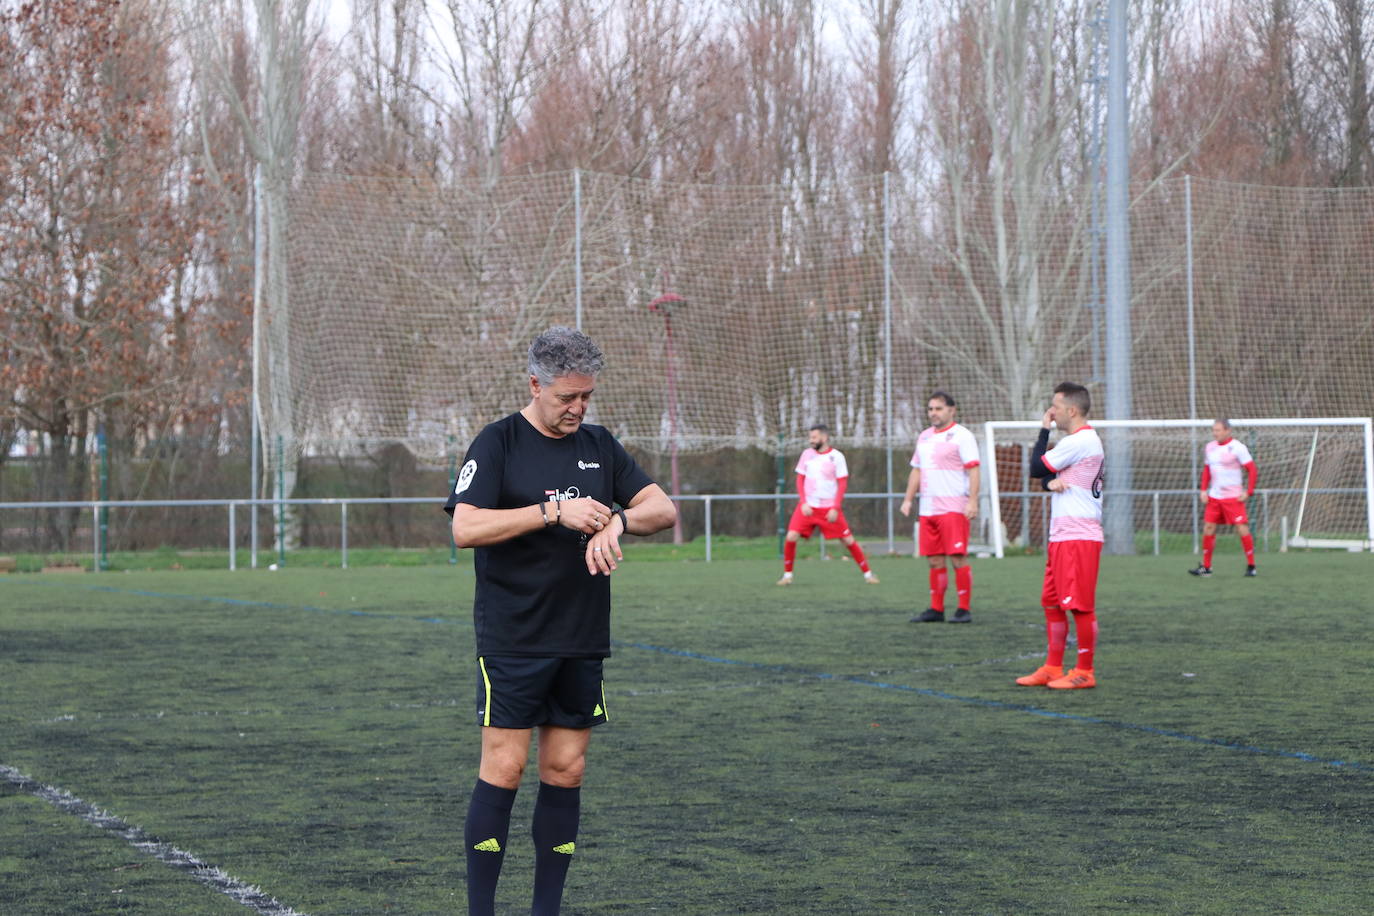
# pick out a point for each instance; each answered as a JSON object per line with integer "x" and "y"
{"x": 565, "y": 771}
{"x": 502, "y": 770}
{"x": 504, "y": 754}
{"x": 936, "y": 561}
{"x": 793, "y": 536}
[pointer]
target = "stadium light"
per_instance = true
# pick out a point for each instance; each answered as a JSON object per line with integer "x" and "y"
{"x": 665, "y": 305}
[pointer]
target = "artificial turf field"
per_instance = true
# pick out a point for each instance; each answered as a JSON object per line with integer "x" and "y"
{"x": 803, "y": 750}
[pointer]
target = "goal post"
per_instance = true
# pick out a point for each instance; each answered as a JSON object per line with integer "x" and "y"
{"x": 1316, "y": 478}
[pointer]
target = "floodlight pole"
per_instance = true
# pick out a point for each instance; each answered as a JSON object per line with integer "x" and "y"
{"x": 664, "y": 306}
{"x": 1119, "y": 514}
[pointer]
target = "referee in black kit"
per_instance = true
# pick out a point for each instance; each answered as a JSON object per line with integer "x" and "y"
{"x": 536, "y": 496}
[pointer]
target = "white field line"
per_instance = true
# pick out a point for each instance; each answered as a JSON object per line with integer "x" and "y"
{"x": 183, "y": 861}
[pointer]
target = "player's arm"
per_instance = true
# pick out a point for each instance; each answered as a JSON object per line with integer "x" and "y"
{"x": 648, "y": 511}
{"x": 1039, "y": 468}
{"x": 975, "y": 480}
{"x": 801, "y": 494}
{"x": 475, "y": 527}
{"x": 913, "y": 484}
{"x": 841, "y": 484}
{"x": 1206, "y": 481}
{"x": 1252, "y": 473}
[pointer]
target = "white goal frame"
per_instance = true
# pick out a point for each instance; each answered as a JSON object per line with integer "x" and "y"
{"x": 1367, "y": 423}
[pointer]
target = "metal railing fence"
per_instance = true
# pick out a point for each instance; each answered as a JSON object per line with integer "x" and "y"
{"x": 1265, "y": 523}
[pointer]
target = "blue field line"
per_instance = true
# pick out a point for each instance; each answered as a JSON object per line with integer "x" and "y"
{"x": 783, "y": 669}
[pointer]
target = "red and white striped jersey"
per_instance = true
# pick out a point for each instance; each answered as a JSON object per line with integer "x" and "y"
{"x": 822, "y": 471}
{"x": 1226, "y": 463}
{"x": 1076, "y": 511}
{"x": 944, "y": 456}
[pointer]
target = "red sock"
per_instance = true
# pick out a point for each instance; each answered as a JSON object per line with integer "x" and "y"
{"x": 1057, "y": 632}
{"x": 963, "y": 585}
{"x": 857, "y": 553}
{"x": 1208, "y": 542}
{"x": 1248, "y": 542}
{"x": 939, "y": 581}
{"x": 1085, "y": 625}
{"x": 789, "y": 555}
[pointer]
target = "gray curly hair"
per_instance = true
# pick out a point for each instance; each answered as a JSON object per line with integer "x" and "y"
{"x": 561, "y": 351}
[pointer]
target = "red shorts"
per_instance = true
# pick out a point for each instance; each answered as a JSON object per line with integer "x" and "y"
{"x": 805, "y": 524}
{"x": 1071, "y": 575}
{"x": 1224, "y": 512}
{"x": 943, "y": 535}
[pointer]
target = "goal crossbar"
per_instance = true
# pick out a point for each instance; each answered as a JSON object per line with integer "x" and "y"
{"x": 1366, "y": 425}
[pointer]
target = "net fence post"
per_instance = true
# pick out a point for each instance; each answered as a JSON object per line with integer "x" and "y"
{"x": 1369, "y": 480}
{"x": 707, "y": 511}
{"x": 1192, "y": 340}
{"x": 887, "y": 352}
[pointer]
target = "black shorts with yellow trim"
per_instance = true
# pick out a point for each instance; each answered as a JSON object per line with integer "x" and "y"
{"x": 521, "y": 692}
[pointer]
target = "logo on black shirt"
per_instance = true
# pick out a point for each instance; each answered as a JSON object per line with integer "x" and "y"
{"x": 465, "y": 476}
{"x": 587, "y": 465}
{"x": 562, "y": 495}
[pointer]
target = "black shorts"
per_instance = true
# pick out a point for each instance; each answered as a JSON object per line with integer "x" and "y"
{"x": 519, "y": 692}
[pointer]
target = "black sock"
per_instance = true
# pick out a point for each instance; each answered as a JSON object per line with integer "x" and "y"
{"x": 484, "y": 837}
{"x": 556, "y": 814}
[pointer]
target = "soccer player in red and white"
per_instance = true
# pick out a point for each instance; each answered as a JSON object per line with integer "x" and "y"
{"x": 1228, "y": 480}
{"x": 822, "y": 476}
{"x": 944, "y": 468}
{"x": 1072, "y": 471}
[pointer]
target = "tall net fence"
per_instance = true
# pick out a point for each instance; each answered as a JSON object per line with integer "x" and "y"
{"x": 411, "y": 305}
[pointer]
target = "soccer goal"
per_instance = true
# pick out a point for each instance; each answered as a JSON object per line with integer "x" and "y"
{"x": 1315, "y": 487}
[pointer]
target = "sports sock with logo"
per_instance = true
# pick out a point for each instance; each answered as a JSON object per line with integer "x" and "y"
{"x": 1056, "y": 635}
{"x": 963, "y": 585}
{"x": 789, "y": 555}
{"x": 1085, "y": 625}
{"x": 857, "y": 553}
{"x": 556, "y": 814}
{"x": 1208, "y": 542}
{"x": 1248, "y": 542}
{"x": 939, "y": 581}
{"x": 484, "y": 838}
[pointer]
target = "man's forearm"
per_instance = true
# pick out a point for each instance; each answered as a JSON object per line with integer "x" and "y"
{"x": 650, "y": 511}
{"x": 474, "y": 527}
{"x": 913, "y": 483}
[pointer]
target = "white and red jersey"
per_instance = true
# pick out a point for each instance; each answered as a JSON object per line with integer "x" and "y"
{"x": 944, "y": 457}
{"x": 1228, "y": 464}
{"x": 823, "y": 472}
{"x": 1076, "y": 510}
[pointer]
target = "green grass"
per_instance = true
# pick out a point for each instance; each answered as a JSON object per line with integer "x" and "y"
{"x": 802, "y": 750}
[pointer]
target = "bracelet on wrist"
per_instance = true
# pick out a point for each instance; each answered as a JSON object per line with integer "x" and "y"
{"x": 624, "y": 522}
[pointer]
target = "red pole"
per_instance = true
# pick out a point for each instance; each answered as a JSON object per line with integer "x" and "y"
{"x": 672, "y": 424}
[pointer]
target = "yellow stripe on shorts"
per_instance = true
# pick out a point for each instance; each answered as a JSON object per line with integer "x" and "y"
{"x": 486, "y": 682}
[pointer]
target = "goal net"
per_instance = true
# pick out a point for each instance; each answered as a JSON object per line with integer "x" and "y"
{"x": 1314, "y": 489}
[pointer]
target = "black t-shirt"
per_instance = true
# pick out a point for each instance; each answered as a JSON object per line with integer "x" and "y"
{"x": 534, "y": 595}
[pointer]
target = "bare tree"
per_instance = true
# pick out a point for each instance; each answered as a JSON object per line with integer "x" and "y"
{"x": 1341, "y": 54}
{"x": 285, "y": 36}
{"x": 1001, "y": 99}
